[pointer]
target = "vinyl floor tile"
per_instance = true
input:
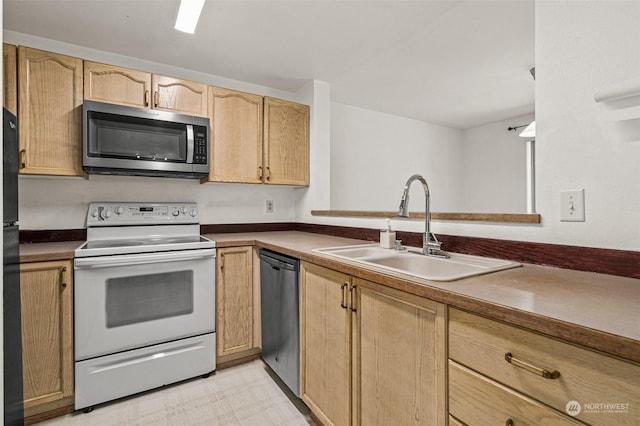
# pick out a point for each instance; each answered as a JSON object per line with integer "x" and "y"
{"x": 244, "y": 395}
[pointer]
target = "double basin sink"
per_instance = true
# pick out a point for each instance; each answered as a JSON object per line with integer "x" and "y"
{"x": 407, "y": 262}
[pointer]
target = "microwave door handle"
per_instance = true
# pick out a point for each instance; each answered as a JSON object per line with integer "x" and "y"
{"x": 189, "y": 144}
{"x": 142, "y": 258}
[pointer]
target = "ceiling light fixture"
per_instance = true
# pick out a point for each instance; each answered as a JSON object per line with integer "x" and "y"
{"x": 188, "y": 15}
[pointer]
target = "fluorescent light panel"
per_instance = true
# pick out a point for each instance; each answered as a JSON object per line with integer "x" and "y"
{"x": 188, "y": 15}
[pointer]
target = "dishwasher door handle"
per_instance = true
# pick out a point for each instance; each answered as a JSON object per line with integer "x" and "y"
{"x": 277, "y": 264}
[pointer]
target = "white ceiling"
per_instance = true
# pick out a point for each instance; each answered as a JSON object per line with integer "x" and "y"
{"x": 455, "y": 63}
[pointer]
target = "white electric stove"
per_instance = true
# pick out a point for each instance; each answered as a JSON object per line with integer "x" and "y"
{"x": 144, "y": 300}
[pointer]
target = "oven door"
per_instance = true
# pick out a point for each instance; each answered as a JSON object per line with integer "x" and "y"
{"x": 129, "y": 301}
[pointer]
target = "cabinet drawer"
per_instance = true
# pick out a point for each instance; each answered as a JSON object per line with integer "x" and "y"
{"x": 607, "y": 389}
{"x": 477, "y": 400}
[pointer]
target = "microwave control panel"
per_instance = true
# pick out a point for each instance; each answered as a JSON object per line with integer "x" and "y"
{"x": 200, "y": 145}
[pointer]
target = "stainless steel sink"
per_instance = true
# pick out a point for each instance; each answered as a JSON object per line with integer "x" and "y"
{"x": 432, "y": 268}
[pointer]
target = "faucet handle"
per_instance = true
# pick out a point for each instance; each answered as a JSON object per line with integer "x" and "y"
{"x": 432, "y": 240}
{"x": 398, "y": 245}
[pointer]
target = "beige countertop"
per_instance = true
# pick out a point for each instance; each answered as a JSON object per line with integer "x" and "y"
{"x": 41, "y": 252}
{"x": 594, "y": 310}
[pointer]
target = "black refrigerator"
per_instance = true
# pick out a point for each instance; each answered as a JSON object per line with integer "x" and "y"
{"x": 12, "y": 331}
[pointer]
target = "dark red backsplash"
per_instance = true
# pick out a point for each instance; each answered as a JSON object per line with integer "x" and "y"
{"x": 623, "y": 263}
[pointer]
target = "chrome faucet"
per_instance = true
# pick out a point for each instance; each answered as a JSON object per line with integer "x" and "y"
{"x": 430, "y": 244}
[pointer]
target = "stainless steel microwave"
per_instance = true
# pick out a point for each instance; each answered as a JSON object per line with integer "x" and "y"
{"x": 126, "y": 140}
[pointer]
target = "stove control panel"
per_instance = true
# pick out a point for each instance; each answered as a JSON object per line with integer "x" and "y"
{"x": 126, "y": 213}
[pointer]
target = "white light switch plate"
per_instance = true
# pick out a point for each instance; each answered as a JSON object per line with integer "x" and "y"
{"x": 572, "y": 205}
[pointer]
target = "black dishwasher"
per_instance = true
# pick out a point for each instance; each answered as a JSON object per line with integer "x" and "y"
{"x": 280, "y": 317}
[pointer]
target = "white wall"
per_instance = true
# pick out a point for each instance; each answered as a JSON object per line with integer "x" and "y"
{"x": 61, "y": 203}
{"x": 493, "y": 168}
{"x": 582, "y": 47}
{"x": 317, "y": 95}
{"x": 373, "y": 154}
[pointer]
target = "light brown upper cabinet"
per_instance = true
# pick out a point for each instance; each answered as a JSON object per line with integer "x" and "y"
{"x": 236, "y": 136}
{"x": 241, "y": 152}
{"x": 172, "y": 94}
{"x": 108, "y": 83}
{"x": 286, "y": 142}
{"x": 50, "y": 111}
{"x": 10, "y": 77}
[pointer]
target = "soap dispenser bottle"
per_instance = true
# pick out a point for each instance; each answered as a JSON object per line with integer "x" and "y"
{"x": 387, "y": 236}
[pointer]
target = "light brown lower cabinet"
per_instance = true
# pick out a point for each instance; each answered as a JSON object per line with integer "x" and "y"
{"x": 325, "y": 344}
{"x": 499, "y": 372}
{"x": 478, "y": 400}
{"x": 47, "y": 336}
{"x": 237, "y": 324}
{"x": 370, "y": 355}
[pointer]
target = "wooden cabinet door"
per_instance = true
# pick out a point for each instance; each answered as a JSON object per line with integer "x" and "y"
{"x": 235, "y": 300}
{"x": 10, "y": 77}
{"x": 50, "y": 111}
{"x": 47, "y": 335}
{"x": 286, "y": 142}
{"x": 236, "y": 136}
{"x": 182, "y": 96}
{"x": 108, "y": 83}
{"x": 399, "y": 361}
{"x": 325, "y": 344}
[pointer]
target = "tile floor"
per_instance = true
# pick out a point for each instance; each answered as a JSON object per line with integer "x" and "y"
{"x": 241, "y": 395}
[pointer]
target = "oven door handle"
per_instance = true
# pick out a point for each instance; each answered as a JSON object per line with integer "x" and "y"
{"x": 143, "y": 258}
